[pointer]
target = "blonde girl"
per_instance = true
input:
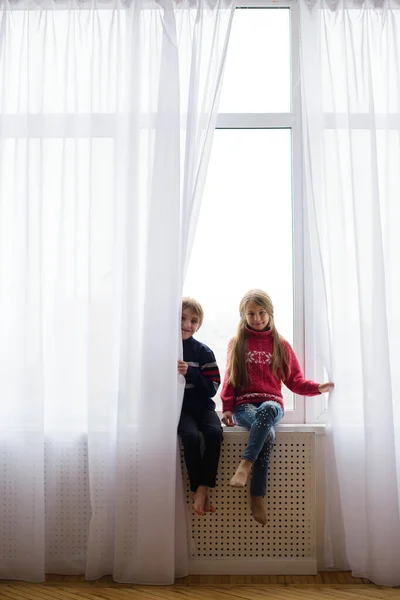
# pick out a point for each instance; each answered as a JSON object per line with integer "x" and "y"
{"x": 259, "y": 361}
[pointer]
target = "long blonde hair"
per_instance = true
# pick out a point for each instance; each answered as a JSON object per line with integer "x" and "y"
{"x": 238, "y": 376}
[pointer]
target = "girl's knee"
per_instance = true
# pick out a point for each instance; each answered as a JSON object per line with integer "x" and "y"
{"x": 264, "y": 416}
{"x": 268, "y": 412}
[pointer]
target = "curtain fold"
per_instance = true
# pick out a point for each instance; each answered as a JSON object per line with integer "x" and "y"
{"x": 350, "y": 81}
{"x": 107, "y": 112}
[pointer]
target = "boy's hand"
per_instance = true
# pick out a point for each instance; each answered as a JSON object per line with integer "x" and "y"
{"x": 227, "y": 419}
{"x": 182, "y": 367}
{"x": 325, "y": 387}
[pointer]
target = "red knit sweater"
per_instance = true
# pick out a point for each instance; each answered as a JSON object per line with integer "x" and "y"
{"x": 263, "y": 385}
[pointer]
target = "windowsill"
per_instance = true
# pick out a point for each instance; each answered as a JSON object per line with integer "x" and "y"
{"x": 317, "y": 428}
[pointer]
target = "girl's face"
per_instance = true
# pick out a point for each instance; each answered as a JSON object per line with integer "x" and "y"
{"x": 257, "y": 317}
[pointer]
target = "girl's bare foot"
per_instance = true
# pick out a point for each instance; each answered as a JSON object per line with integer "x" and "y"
{"x": 240, "y": 477}
{"x": 258, "y": 509}
{"x": 199, "y": 500}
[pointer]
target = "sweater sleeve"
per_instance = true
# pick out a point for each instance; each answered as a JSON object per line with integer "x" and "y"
{"x": 205, "y": 377}
{"x": 295, "y": 380}
{"x": 228, "y": 393}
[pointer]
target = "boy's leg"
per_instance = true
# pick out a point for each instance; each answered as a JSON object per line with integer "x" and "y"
{"x": 210, "y": 426}
{"x": 190, "y": 436}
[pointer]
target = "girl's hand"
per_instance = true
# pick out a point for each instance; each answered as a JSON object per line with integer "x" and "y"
{"x": 182, "y": 367}
{"x": 325, "y": 387}
{"x": 227, "y": 419}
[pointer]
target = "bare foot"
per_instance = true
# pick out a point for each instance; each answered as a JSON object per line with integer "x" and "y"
{"x": 208, "y": 507}
{"x": 199, "y": 500}
{"x": 258, "y": 509}
{"x": 240, "y": 477}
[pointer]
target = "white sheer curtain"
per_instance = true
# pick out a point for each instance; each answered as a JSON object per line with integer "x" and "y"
{"x": 350, "y": 81}
{"x": 107, "y": 111}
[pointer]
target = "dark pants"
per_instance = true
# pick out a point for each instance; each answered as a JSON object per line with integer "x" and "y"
{"x": 201, "y": 467}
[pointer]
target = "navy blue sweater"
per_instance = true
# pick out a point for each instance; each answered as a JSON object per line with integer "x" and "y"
{"x": 202, "y": 377}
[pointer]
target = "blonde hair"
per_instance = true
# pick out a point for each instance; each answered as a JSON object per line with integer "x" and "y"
{"x": 238, "y": 376}
{"x": 194, "y": 306}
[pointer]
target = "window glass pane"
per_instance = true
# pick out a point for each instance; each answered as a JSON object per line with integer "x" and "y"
{"x": 257, "y": 70}
{"x": 244, "y": 234}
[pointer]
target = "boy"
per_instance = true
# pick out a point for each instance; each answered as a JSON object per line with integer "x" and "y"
{"x": 198, "y": 410}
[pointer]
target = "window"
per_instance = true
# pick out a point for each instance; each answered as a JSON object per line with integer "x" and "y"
{"x": 249, "y": 232}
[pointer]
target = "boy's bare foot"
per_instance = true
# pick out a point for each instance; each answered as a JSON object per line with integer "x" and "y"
{"x": 208, "y": 507}
{"x": 199, "y": 500}
{"x": 240, "y": 477}
{"x": 258, "y": 509}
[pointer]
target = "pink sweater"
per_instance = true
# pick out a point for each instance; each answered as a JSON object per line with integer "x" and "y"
{"x": 263, "y": 385}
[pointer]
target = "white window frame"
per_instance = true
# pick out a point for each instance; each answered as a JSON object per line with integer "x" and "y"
{"x": 292, "y": 121}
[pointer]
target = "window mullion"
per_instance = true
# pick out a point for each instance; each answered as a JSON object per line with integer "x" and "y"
{"x": 298, "y": 230}
{"x": 255, "y": 120}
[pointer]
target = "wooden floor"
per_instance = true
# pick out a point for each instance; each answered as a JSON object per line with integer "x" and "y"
{"x": 326, "y": 586}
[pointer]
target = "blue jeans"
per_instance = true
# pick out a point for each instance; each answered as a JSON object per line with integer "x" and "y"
{"x": 260, "y": 420}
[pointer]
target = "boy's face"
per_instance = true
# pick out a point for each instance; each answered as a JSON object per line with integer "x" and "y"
{"x": 190, "y": 323}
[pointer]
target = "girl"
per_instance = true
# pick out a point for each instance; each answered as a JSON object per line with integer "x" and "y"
{"x": 259, "y": 360}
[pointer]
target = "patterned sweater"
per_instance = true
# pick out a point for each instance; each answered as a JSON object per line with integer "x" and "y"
{"x": 202, "y": 377}
{"x": 263, "y": 385}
